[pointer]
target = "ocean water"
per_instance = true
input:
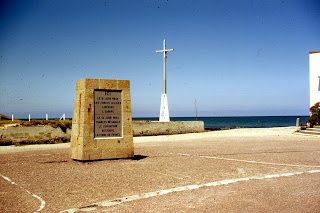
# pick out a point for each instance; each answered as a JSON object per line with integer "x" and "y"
{"x": 234, "y": 122}
{"x": 243, "y": 122}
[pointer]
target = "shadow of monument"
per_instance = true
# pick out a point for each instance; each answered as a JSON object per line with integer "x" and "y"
{"x": 136, "y": 157}
{"x": 139, "y": 157}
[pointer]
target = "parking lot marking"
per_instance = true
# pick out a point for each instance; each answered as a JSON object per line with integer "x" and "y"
{"x": 117, "y": 201}
{"x": 248, "y": 161}
{"x": 43, "y": 203}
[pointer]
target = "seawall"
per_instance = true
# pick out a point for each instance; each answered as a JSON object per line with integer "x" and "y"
{"x": 33, "y": 133}
{"x": 166, "y": 128}
{"x": 140, "y": 128}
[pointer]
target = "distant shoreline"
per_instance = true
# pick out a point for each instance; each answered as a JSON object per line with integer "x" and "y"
{"x": 232, "y": 122}
{"x": 218, "y": 123}
{"x": 135, "y": 118}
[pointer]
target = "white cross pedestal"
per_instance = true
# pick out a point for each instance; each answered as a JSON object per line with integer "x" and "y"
{"x": 164, "y": 109}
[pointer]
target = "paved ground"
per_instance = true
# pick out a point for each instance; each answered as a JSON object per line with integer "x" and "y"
{"x": 242, "y": 170}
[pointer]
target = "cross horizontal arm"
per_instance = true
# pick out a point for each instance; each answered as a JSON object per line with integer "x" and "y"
{"x": 158, "y": 51}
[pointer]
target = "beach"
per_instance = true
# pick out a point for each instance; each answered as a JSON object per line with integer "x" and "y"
{"x": 268, "y": 170}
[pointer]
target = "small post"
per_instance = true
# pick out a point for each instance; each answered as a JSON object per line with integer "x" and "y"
{"x": 63, "y": 117}
{"x": 297, "y": 122}
{"x": 29, "y": 117}
{"x": 46, "y": 117}
{"x": 195, "y": 103}
{"x": 12, "y": 117}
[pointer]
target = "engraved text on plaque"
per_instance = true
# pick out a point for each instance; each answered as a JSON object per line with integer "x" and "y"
{"x": 107, "y": 113}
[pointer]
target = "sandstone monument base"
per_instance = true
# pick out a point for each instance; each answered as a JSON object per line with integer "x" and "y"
{"x": 102, "y": 121}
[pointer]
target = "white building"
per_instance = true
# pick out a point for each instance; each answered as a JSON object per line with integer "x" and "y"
{"x": 314, "y": 81}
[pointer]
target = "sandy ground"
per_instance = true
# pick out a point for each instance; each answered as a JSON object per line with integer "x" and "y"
{"x": 242, "y": 132}
{"x": 240, "y": 170}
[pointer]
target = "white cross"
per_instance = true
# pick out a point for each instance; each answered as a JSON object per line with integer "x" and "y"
{"x": 164, "y": 63}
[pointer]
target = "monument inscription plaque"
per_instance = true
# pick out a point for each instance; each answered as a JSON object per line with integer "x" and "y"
{"x": 108, "y": 113}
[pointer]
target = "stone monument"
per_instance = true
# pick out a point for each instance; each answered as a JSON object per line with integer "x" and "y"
{"x": 102, "y": 122}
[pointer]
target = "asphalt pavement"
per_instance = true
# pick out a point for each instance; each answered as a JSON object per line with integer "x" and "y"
{"x": 245, "y": 170}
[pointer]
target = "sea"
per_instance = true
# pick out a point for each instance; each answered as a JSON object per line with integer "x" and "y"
{"x": 216, "y": 123}
{"x": 240, "y": 122}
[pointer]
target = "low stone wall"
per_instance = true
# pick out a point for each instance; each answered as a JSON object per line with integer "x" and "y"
{"x": 166, "y": 128}
{"x": 33, "y": 133}
{"x": 140, "y": 128}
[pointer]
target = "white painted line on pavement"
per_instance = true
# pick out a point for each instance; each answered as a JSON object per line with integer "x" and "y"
{"x": 117, "y": 201}
{"x": 248, "y": 161}
{"x": 43, "y": 203}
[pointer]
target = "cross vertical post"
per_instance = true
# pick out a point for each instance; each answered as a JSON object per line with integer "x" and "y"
{"x": 164, "y": 68}
{"x": 164, "y": 64}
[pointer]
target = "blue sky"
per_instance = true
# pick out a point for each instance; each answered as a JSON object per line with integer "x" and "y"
{"x": 236, "y": 58}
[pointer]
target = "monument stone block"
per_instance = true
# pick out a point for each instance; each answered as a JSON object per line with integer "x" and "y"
{"x": 102, "y": 122}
